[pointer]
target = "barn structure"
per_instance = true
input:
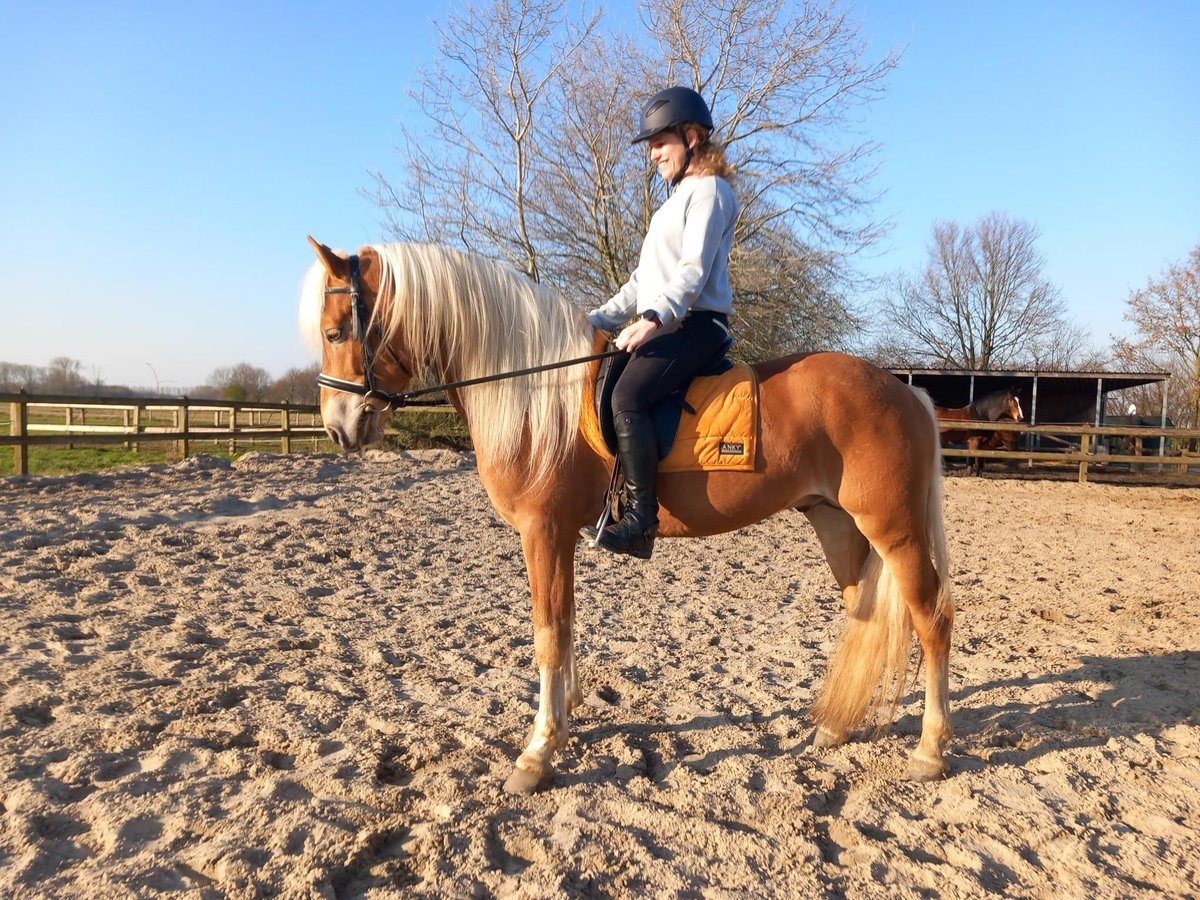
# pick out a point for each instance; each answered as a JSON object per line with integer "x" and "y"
{"x": 1046, "y": 397}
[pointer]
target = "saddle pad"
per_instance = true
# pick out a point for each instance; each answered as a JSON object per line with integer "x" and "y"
{"x": 722, "y": 434}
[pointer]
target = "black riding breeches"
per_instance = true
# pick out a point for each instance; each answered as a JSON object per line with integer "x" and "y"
{"x": 664, "y": 364}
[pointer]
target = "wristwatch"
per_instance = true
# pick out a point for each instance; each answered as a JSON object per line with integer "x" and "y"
{"x": 652, "y": 316}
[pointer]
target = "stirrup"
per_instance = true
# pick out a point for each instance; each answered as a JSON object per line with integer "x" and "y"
{"x": 590, "y": 532}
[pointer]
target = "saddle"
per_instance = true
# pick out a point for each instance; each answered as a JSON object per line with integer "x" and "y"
{"x": 709, "y": 424}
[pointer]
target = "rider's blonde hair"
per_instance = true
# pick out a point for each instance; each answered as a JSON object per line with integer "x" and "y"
{"x": 708, "y": 156}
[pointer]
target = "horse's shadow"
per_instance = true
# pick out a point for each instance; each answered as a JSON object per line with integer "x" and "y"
{"x": 642, "y": 735}
{"x": 1102, "y": 698}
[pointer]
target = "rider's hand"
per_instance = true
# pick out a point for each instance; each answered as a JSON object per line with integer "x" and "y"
{"x": 633, "y": 336}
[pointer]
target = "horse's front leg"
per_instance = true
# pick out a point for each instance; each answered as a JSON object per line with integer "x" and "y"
{"x": 550, "y": 560}
{"x": 975, "y": 463}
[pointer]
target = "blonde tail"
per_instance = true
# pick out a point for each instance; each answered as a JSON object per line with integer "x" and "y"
{"x": 872, "y": 657}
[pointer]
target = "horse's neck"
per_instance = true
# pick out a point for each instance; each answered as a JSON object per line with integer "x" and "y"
{"x": 985, "y": 410}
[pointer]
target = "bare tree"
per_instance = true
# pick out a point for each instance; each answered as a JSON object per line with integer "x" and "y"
{"x": 63, "y": 376}
{"x": 241, "y": 382}
{"x": 1166, "y": 313}
{"x": 524, "y": 154}
{"x": 20, "y": 377}
{"x": 297, "y": 385}
{"x": 471, "y": 173}
{"x": 785, "y": 85}
{"x": 981, "y": 301}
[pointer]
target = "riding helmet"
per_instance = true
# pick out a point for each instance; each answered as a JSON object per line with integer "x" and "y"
{"x": 672, "y": 108}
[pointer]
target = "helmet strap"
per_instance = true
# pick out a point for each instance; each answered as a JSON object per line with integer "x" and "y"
{"x": 687, "y": 156}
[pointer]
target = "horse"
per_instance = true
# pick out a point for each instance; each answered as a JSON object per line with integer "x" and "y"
{"x": 845, "y": 443}
{"x": 992, "y": 408}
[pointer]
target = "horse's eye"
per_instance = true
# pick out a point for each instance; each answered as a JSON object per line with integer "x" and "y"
{"x": 335, "y": 335}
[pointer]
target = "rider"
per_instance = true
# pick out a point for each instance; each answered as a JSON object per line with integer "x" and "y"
{"x": 680, "y": 291}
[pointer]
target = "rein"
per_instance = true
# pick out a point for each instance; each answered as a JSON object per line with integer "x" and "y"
{"x": 369, "y": 392}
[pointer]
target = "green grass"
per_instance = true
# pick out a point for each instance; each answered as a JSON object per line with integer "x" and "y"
{"x": 410, "y": 431}
{"x": 61, "y": 461}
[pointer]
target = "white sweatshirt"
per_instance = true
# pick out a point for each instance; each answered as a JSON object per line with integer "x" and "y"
{"x": 684, "y": 263}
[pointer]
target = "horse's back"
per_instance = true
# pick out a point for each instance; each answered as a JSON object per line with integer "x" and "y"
{"x": 831, "y": 426}
{"x": 842, "y": 396}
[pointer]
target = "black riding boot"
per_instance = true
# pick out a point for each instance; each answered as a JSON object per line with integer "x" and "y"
{"x": 638, "y": 446}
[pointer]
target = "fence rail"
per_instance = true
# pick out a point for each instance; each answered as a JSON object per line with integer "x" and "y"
{"x": 56, "y": 420}
{"x": 1090, "y": 446}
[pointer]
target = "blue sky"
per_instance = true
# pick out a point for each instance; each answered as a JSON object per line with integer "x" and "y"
{"x": 161, "y": 163}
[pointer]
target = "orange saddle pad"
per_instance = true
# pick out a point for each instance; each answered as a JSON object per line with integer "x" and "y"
{"x": 722, "y": 433}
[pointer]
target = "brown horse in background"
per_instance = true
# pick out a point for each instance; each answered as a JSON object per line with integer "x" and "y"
{"x": 842, "y": 441}
{"x": 992, "y": 408}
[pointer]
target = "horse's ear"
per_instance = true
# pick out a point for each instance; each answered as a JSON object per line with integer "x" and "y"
{"x": 337, "y": 266}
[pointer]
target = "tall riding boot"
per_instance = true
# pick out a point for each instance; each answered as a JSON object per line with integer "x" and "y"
{"x": 638, "y": 446}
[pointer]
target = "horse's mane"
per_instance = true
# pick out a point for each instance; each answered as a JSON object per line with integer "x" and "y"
{"x": 483, "y": 318}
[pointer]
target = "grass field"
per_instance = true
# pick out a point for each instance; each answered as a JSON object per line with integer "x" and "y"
{"x": 412, "y": 429}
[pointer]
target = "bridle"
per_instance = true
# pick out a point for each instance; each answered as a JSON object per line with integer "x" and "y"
{"x": 371, "y": 394}
{"x": 359, "y": 317}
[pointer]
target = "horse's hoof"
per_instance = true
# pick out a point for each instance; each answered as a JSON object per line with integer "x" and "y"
{"x": 925, "y": 769}
{"x": 525, "y": 781}
{"x": 824, "y": 739}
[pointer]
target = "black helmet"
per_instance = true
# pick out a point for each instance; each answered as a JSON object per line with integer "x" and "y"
{"x": 671, "y": 108}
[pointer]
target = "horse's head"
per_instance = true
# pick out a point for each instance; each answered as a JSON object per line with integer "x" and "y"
{"x": 339, "y": 310}
{"x": 1012, "y": 405}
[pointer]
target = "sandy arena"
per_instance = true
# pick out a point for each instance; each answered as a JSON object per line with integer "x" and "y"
{"x": 309, "y": 676}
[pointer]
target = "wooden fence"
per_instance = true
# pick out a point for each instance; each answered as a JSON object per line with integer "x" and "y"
{"x": 46, "y": 420}
{"x": 1088, "y": 445}
{"x": 58, "y": 420}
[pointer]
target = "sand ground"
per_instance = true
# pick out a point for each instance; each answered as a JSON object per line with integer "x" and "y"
{"x": 308, "y": 676}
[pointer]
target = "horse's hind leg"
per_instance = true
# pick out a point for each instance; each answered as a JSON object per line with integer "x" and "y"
{"x": 933, "y": 618}
{"x": 844, "y": 545}
{"x": 549, "y": 558}
{"x": 845, "y": 550}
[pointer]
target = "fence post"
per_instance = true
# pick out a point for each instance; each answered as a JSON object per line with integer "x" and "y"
{"x": 232, "y": 430}
{"x": 1085, "y": 447}
{"x": 137, "y": 427}
{"x": 17, "y": 427}
{"x": 181, "y": 416}
{"x": 285, "y": 425}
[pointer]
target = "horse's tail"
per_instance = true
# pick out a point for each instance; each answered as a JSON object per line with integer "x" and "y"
{"x": 871, "y": 661}
{"x": 934, "y": 522}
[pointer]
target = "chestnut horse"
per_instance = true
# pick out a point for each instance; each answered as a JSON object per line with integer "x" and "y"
{"x": 992, "y": 408}
{"x": 845, "y": 443}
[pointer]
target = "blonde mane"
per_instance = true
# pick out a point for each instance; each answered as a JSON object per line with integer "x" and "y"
{"x": 481, "y": 318}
